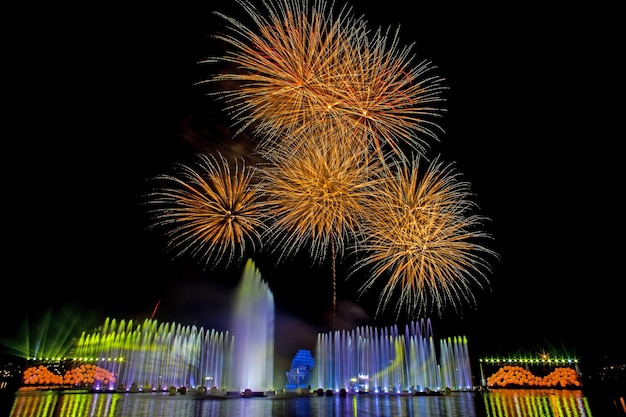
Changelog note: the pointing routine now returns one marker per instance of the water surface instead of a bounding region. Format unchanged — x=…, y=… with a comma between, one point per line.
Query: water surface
x=495, y=403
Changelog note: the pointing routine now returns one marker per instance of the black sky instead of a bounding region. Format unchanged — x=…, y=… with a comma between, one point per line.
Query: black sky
x=102, y=100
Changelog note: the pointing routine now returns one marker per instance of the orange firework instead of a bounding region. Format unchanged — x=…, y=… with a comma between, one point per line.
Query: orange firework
x=211, y=211
x=334, y=106
x=316, y=197
x=301, y=68
x=423, y=240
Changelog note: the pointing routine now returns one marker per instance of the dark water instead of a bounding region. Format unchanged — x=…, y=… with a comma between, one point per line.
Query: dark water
x=496, y=403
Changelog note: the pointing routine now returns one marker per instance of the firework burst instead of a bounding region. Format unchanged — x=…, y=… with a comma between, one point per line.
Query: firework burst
x=210, y=211
x=302, y=67
x=280, y=68
x=316, y=195
x=422, y=238
x=323, y=93
x=381, y=96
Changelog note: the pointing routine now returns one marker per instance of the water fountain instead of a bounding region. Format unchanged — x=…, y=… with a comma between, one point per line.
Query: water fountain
x=155, y=356
x=385, y=360
x=252, y=325
x=158, y=356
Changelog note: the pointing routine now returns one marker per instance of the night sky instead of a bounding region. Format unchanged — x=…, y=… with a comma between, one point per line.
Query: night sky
x=105, y=100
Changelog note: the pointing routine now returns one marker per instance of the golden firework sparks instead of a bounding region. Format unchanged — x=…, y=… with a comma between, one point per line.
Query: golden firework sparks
x=302, y=66
x=316, y=197
x=210, y=211
x=424, y=240
x=323, y=93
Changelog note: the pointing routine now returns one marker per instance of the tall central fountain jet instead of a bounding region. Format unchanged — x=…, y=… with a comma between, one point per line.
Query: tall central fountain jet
x=252, y=326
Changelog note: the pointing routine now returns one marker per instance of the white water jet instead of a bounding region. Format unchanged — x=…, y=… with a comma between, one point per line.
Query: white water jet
x=387, y=360
x=252, y=327
x=152, y=356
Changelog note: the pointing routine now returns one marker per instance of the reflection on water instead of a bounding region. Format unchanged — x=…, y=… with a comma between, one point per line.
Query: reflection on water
x=49, y=404
x=120, y=404
x=495, y=403
x=539, y=403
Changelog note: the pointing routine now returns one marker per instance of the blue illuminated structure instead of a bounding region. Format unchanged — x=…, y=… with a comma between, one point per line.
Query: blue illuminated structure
x=299, y=376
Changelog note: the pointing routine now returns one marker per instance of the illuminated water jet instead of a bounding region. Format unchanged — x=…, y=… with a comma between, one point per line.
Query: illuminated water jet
x=155, y=356
x=252, y=325
x=385, y=360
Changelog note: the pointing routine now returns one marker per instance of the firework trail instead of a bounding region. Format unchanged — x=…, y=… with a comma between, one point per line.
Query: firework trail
x=210, y=211
x=316, y=195
x=423, y=240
